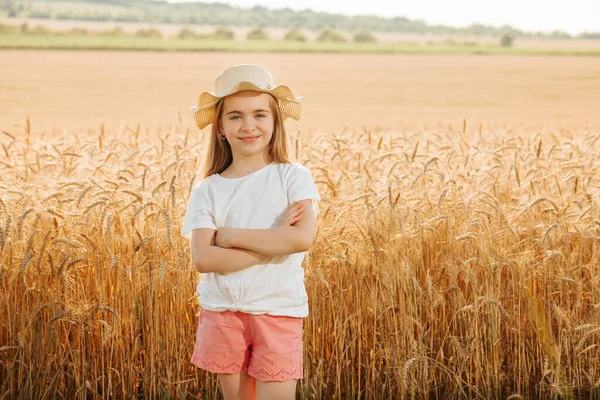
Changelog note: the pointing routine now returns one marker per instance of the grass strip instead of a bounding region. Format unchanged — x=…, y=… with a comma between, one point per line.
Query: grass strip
x=98, y=42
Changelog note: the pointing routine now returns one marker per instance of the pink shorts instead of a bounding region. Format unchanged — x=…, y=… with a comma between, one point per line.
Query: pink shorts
x=268, y=347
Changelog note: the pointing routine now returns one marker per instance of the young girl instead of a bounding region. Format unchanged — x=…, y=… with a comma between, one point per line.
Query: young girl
x=250, y=221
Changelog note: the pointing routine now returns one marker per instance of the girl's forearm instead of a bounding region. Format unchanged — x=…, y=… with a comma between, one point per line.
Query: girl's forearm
x=217, y=259
x=282, y=240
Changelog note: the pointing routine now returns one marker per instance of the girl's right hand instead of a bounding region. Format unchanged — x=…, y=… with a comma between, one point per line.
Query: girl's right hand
x=292, y=215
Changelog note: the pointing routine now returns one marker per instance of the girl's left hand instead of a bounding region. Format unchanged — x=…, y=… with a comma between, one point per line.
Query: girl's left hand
x=223, y=238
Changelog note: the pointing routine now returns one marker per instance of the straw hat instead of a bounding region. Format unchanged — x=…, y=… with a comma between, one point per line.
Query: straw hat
x=245, y=77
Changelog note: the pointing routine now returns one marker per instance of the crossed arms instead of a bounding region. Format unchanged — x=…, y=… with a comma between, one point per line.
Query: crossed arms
x=234, y=249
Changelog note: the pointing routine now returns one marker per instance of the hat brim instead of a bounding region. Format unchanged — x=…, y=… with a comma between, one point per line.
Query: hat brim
x=204, y=112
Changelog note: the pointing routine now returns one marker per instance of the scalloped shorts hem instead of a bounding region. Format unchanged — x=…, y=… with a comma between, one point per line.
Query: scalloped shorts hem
x=267, y=347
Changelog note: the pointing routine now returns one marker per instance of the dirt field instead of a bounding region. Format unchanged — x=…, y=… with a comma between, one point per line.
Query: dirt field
x=80, y=90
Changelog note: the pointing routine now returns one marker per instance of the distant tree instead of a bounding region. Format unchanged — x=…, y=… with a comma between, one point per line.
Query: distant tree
x=109, y=1
x=224, y=33
x=294, y=35
x=477, y=29
x=559, y=35
x=590, y=35
x=186, y=33
x=39, y=30
x=10, y=6
x=78, y=31
x=149, y=33
x=40, y=14
x=507, y=40
x=364, y=37
x=117, y=31
x=6, y=28
x=329, y=35
x=257, y=34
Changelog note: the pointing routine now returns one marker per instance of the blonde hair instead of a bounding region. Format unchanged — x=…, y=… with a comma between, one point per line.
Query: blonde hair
x=219, y=156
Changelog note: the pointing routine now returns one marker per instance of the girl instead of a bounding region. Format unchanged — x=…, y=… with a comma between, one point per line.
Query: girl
x=250, y=221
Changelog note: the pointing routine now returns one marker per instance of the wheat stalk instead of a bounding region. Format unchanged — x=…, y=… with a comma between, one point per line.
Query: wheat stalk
x=158, y=187
x=24, y=263
x=172, y=191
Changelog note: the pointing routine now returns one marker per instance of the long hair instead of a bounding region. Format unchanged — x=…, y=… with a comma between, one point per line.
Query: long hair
x=219, y=156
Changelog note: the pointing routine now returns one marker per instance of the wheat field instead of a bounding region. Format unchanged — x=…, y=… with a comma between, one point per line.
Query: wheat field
x=452, y=264
x=449, y=261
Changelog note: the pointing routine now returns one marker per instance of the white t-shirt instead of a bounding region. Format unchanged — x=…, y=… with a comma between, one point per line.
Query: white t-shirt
x=254, y=201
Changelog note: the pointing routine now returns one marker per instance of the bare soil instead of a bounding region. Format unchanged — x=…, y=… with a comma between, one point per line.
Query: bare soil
x=82, y=89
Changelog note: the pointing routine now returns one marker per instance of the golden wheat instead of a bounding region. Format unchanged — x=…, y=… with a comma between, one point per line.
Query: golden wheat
x=445, y=264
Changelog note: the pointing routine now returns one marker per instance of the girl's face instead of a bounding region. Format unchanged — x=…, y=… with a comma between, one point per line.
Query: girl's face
x=248, y=122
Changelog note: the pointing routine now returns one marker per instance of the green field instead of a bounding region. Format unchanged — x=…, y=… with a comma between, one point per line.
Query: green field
x=94, y=42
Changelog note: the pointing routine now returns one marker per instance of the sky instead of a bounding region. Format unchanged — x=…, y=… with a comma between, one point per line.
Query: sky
x=573, y=16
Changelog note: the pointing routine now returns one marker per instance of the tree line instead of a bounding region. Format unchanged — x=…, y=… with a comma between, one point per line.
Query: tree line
x=219, y=14
x=221, y=33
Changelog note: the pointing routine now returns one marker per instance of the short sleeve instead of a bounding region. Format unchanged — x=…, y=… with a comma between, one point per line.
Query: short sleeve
x=199, y=212
x=301, y=186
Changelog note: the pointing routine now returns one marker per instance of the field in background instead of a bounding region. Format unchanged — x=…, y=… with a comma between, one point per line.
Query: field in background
x=457, y=252
x=62, y=90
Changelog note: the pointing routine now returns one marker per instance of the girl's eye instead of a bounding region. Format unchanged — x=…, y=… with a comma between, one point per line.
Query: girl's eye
x=234, y=117
x=260, y=115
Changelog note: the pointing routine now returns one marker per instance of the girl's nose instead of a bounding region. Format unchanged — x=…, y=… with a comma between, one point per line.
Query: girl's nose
x=248, y=124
